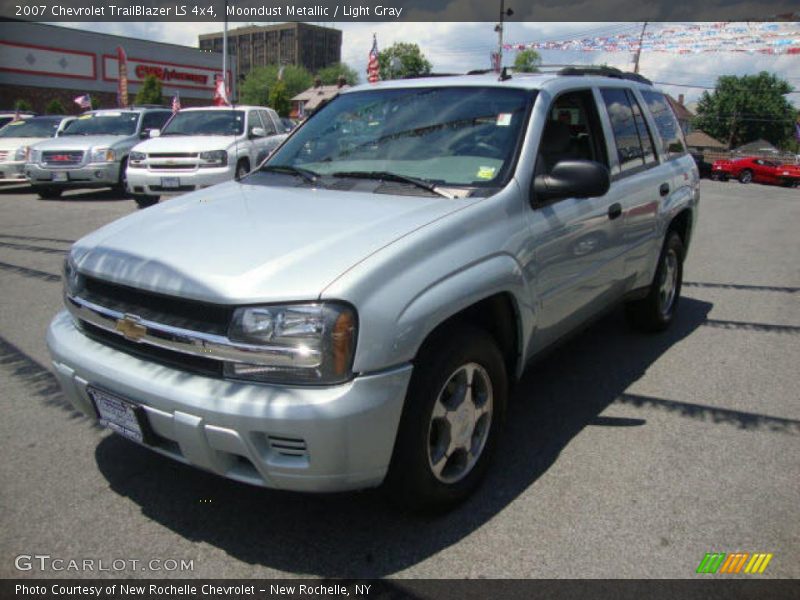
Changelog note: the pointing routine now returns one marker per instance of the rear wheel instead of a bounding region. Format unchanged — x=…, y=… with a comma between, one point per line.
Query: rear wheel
x=48, y=192
x=657, y=310
x=746, y=176
x=451, y=420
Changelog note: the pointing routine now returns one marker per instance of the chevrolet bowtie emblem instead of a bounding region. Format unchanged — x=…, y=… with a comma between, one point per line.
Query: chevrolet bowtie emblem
x=131, y=328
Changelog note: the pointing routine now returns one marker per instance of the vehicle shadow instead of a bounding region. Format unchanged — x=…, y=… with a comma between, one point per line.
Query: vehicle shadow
x=362, y=535
x=88, y=195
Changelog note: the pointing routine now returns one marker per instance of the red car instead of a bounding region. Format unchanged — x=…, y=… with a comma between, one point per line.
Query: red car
x=760, y=170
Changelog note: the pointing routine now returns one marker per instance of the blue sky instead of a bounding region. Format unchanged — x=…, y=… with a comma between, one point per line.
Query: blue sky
x=459, y=47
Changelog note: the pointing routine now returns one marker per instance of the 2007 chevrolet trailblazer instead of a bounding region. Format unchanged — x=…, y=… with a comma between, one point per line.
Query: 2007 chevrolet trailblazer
x=353, y=312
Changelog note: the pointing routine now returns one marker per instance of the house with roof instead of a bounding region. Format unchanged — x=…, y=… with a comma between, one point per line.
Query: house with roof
x=312, y=99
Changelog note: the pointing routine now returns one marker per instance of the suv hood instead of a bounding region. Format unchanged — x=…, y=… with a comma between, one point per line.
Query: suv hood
x=11, y=144
x=187, y=143
x=80, y=142
x=239, y=243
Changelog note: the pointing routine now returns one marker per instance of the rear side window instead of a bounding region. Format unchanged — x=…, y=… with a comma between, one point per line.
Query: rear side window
x=155, y=120
x=666, y=123
x=631, y=135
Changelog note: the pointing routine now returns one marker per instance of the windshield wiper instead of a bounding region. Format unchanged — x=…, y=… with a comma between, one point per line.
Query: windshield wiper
x=307, y=174
x=389, y=176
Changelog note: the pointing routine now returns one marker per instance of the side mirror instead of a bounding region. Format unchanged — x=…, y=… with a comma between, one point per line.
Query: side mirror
x=257, y=132
x=154, y=133
x=572, y=179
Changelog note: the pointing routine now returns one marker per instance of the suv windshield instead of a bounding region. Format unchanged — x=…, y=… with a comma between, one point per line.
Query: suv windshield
x=206, y=122
x=460, y=136
x=31, y=128
x=104, y=123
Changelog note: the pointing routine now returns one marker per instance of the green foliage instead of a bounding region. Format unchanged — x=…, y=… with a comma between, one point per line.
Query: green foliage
x=95, y=102
x=22, y=104
x=527, y=61
x=744, y=109
x=150, y=92
x=330, y=75
x=279, y=99
x=55, y=107
x=257, y=86
x=411, y=61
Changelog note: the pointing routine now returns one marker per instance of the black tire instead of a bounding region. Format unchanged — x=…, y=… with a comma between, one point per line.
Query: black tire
x=143, y=201
x=746, y=176
x=242, y=168
x=48, y=192
x=723, y=177
x=657, y=310
x=411, y=481
x=122, y=182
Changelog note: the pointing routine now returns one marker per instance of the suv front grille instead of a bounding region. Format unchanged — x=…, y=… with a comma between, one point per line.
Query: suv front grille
x=62, y=158
x=169, y=310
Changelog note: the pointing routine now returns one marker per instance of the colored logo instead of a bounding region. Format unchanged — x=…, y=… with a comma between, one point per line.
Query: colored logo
x=130, y=327
x=737, y=562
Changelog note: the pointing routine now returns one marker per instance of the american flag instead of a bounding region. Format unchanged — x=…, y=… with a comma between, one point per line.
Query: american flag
x=220, y=92
x=84, y=101
x=373, y=66
x=176, y=102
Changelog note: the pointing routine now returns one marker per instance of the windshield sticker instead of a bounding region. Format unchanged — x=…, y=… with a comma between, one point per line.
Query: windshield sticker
x=504, y=119
x=84, y=117
x=485, y=172
x=15, y=123
x=109, y=114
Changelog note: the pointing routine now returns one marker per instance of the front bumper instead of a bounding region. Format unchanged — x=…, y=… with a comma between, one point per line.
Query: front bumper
x=145, y=181
x=91, y=175
x=311, y=439
x=12, y=171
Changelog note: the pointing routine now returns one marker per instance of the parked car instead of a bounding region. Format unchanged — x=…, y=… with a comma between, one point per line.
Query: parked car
x=288, y=124
x=6, y=116
x=758, y=170
x=17, y=137
x=200, y=147
x=354, y=312
x=92, y=151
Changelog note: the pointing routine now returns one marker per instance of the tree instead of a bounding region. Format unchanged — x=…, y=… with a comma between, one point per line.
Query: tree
x=22, y=104
x=748, y=108
x=94, y=101
x=279, y=99
x=150, y=92
x=258, y=84
x=411, y=62
x=330, y=75
x=527, y=61
x=55, y=108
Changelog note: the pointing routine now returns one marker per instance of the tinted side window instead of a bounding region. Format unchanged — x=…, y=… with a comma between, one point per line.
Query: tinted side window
x=623, y=124
x=269, y=126
x=666, y=123
x=253, y=120
x=645, y=138
x=155, y=120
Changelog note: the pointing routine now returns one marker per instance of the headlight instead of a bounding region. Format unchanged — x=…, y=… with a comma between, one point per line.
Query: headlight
x=73, y=281
x=21, y=153
x=303, y=343
x=102, y=155
x=136, y=158
x=215, y=158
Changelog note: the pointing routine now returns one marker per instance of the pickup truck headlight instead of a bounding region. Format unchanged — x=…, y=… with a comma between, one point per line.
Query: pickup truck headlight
x=215, y=158
x=73, y=282
x=102, y=155
x=303, y=343
x=21, y=153
x=135, y=159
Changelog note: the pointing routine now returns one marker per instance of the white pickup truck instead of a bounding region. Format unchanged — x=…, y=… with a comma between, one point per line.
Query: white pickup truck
x=200, y=147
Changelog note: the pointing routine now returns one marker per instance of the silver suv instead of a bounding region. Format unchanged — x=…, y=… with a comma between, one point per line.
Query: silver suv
x=354, y=312
x=92, y=151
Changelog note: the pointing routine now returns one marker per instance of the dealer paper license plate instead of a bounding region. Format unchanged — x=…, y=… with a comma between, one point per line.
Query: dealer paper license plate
x=170, y=182
x=116, y=413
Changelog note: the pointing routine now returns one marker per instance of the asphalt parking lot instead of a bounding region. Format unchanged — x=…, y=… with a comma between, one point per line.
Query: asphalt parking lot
x=624, y=455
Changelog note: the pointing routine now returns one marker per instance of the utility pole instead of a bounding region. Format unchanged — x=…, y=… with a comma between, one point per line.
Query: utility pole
x=504, y=12
x=639, y=49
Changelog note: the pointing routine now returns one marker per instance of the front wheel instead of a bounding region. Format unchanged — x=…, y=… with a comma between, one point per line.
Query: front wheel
x=48, y=192
x=657, y=310
x=451, y=420
x=242, y=169
x=746, y=176
x=143, y=201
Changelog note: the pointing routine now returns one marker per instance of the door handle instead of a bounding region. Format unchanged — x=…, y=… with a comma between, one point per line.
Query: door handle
x=614, y=210
x=664, y=189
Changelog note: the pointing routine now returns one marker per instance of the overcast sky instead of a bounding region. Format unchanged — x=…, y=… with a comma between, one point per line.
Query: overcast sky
x=459, y=47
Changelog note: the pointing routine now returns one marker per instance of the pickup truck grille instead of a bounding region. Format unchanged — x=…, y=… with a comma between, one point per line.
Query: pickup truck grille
x=172, y=155
x=62, y=158
x=3, y=155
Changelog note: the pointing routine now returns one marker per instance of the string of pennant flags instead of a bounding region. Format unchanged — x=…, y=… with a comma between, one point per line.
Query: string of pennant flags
x=753, y=38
